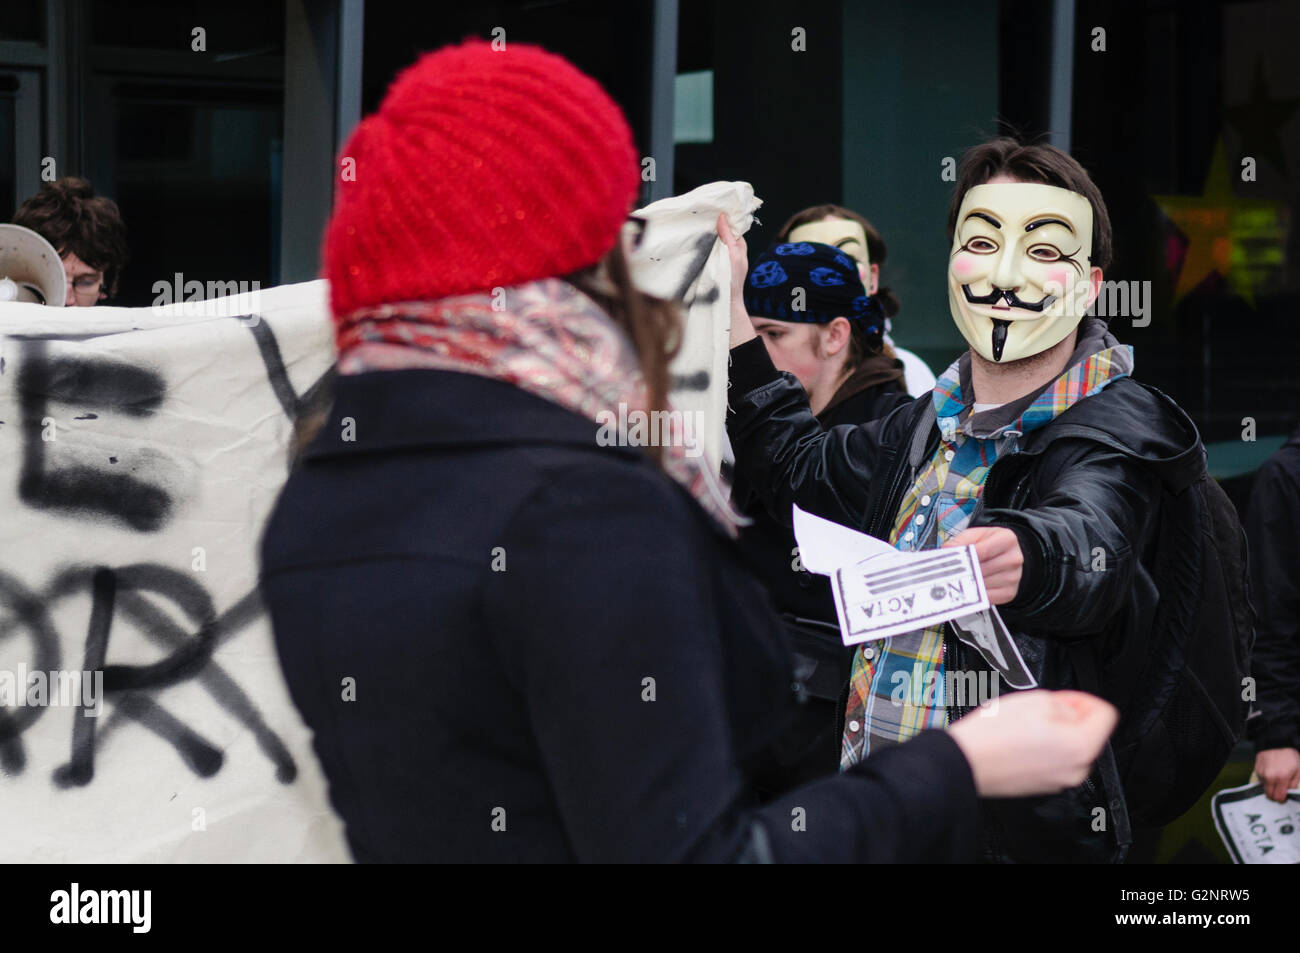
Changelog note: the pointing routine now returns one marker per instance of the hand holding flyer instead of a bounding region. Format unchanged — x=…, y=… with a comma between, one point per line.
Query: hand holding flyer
x=880, y=592
x=1257, y=830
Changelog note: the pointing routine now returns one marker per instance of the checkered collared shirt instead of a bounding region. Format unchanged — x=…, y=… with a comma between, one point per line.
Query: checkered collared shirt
x=896, y=689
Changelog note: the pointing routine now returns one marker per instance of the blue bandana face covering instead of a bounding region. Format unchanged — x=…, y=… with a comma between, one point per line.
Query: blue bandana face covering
x=811, y=283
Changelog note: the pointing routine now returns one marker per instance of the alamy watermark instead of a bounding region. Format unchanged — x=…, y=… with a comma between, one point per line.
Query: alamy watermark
x=133, y=908
x=651, y=428
x=20, y=688
x=1115, y=299
x=1124, y=299
x=967, y=689
x=218, y=299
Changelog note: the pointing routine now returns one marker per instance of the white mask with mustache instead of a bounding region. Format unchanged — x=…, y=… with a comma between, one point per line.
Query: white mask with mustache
x=1020, y=271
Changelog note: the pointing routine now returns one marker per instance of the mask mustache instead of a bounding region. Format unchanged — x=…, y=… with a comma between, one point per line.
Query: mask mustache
x=999, y=337
x=1009, y=297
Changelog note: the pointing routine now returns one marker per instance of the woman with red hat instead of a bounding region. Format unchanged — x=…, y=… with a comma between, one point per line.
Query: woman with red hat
x=512, y=640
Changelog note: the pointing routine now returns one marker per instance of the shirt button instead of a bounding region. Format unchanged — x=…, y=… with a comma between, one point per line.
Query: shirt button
x=920, y=521
x=925, y=500
x=854, y=726
x=868, y=653
x=948, y=455
x=908, y=536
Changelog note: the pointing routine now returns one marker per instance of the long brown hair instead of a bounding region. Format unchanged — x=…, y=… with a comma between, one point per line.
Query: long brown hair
x=653, y=324
x=861, y=348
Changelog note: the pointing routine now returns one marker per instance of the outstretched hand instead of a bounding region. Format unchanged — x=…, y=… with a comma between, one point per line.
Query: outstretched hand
x=1031, y=743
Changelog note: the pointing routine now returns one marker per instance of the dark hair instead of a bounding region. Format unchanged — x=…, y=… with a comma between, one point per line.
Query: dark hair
x=876, y=249
x=68, y=215
x=1033, y=162
x=653, y=324
x=861, y=347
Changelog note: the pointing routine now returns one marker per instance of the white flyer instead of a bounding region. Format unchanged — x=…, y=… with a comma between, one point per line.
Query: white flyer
x=1256, y=830
x=885, y=595
x=825, y=546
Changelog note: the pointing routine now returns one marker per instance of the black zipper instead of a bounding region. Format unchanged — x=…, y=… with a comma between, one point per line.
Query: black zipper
x=1021, y=491
x=950, y=652
x=890, y=498
x=904, y=475
x=951, y=648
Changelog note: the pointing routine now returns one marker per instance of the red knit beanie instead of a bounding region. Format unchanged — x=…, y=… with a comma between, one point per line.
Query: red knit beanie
x=482, y=168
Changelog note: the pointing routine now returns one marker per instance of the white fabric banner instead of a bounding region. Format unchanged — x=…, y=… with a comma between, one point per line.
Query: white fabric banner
x=140, y=452
x=682, y=259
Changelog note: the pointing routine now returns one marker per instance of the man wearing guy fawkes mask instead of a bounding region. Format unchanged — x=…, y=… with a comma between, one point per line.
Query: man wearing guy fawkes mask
x=1030, y=237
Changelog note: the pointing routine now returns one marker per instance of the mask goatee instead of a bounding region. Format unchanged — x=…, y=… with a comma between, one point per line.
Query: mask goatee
x=999, y=337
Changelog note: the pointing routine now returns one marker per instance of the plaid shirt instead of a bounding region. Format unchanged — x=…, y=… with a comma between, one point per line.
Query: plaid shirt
x=896, y=689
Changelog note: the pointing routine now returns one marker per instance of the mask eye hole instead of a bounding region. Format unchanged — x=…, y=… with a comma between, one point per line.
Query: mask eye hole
x=980, y=246
x=1045, y=253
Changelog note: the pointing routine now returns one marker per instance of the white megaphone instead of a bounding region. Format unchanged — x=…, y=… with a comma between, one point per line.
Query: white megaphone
x=30, y=268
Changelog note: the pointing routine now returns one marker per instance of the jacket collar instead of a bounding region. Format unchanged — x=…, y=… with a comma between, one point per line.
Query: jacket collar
x=1098, y=359
x=390, y=410
x=1129, y=417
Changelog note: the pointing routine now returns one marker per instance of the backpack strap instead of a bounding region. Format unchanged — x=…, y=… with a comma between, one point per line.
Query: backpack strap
x=917, y=428
x=1085, y=665
x=921, y=426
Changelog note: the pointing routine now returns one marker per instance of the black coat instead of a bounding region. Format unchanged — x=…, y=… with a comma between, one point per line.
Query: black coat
x=768, y=544
x=1119, y=444
x=550, y=637
x=1273, y=529
x=810, y=747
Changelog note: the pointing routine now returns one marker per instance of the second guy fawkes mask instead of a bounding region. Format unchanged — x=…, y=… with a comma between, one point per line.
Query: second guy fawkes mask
x=849, y=237
x=1019, y=276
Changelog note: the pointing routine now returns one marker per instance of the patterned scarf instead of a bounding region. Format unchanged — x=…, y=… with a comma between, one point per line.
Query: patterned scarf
x=897, y=687
x=552, y=341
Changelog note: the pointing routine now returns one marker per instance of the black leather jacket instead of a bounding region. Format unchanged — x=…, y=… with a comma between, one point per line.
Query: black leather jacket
x=1089, y=479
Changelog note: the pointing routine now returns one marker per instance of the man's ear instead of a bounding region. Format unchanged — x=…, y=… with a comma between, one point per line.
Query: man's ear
x=835, y=336
x=1094, y=287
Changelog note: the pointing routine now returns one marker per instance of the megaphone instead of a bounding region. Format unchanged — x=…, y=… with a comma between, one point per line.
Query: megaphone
x=30, y=268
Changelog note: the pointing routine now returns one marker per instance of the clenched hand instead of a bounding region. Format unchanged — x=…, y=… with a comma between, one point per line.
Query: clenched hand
x=1001, y=560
